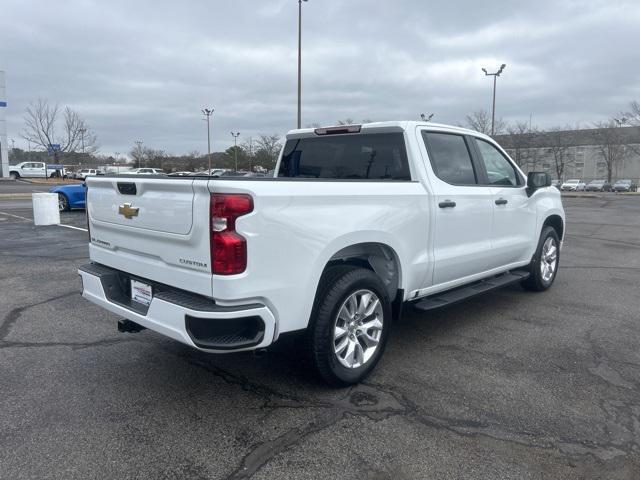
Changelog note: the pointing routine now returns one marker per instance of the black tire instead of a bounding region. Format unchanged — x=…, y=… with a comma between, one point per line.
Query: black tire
x=336, y=286
x=536, y=280
x=63, y=203
x=14, y=175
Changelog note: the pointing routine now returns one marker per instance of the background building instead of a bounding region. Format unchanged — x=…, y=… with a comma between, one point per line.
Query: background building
x=585, y=154
x=4, y=147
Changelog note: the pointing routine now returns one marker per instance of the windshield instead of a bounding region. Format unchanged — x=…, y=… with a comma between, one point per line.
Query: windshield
x=597, y=182
x=623, y=182
x=572, y=181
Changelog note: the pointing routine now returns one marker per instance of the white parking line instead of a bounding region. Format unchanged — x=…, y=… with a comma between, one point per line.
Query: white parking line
x=16, y=216
x=30, y=220
x=71, y=226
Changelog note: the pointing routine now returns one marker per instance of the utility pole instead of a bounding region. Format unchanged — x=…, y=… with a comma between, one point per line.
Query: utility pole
x=235, y=136
x=82, y=132
x=300, y=62
x=140, y=152
x=495, y=75
x=207, y=112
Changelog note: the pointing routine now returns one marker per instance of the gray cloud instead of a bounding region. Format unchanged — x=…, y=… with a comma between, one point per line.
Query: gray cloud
x=144, y=69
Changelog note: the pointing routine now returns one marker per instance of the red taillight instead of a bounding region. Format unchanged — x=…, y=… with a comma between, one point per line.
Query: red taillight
x=228, y=248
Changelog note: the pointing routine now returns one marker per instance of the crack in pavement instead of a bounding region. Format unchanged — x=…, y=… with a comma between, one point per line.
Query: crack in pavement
x=364, y=400
x=14, y=315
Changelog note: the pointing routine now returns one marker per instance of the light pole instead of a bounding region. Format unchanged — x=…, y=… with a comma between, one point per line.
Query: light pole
x=493, y=110
x=139, y=144
x=82, y=132
x=235, y=136
x=207, y=112
x=300, y=62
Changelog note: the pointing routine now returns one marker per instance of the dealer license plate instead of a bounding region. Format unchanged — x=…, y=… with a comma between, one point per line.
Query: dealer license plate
x=141, y=292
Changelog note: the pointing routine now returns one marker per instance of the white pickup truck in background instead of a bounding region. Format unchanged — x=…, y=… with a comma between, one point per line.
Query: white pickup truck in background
x=36, y=170
x=359, y=220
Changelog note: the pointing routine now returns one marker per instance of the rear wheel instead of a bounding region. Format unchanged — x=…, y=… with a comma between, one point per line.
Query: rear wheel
x=350, y=324
x=63, y=203
x=545, y=263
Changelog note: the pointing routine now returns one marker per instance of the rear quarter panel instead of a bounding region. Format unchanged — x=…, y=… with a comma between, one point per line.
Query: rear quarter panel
x=297, y=226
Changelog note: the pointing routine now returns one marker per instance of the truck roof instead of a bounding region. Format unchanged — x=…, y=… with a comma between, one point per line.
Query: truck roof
x=392, y=125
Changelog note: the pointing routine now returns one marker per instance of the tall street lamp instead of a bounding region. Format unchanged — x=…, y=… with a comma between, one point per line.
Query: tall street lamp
x=300, y=62
x=493, y=110
x=235, y=136
x=207, y=112
x=140, y=152
x=82, y=132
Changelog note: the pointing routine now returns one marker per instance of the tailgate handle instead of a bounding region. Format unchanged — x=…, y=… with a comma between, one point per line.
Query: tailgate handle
x=127, y=188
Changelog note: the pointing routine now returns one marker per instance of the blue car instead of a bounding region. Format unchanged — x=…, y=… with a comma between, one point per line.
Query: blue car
x=70, y=196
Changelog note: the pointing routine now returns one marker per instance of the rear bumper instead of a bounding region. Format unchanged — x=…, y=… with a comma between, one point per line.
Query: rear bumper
x=191, y=319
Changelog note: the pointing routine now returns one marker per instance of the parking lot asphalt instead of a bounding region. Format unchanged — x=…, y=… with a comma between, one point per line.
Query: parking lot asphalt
x=511, y=384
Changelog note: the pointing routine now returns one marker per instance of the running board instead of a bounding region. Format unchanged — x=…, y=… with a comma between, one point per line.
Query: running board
x=459, y=294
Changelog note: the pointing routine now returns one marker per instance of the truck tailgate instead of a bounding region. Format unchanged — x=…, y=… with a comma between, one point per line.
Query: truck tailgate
x=156, y=228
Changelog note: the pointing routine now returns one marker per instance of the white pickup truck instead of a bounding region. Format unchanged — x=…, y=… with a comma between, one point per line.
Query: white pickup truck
x=358, y=221
x=36, y=170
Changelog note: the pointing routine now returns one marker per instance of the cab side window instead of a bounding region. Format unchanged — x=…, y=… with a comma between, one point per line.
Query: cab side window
x=450, y=158
x=499, y=169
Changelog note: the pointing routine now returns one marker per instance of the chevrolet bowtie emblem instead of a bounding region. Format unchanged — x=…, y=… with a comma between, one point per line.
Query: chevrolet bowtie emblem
x=128, y=211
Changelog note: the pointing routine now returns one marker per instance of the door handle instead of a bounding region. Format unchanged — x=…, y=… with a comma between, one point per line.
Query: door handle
x=501, y=201
x=447, y=204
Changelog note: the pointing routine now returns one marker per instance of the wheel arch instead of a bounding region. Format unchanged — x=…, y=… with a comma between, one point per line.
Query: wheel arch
x=380, y=258
x=557, y=223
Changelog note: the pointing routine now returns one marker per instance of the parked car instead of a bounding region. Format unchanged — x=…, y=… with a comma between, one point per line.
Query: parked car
x=574, y=185
x=146, y=171
x=85, y=172
x=36, y=170
x=625, y=186
x=230, y=264
x=598, y=186
x=180, y=174
x=70, y=196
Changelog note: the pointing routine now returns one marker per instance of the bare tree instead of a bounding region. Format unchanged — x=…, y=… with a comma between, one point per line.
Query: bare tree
x=480, y=121
x=632, y=116
x=346, y=121
x=521, y=144
x=267, y=150
x=560, y=139
x=137, y=153
x=611, y=145
x=42, y=121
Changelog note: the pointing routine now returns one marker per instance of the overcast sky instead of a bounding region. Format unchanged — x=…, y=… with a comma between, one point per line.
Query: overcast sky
x=144, y=69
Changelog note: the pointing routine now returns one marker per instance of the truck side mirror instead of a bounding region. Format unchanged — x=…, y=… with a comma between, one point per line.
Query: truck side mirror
x=536, y=180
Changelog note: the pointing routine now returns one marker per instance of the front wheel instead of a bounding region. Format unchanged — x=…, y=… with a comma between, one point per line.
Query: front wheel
x=545, y=263
x=63, y=203
x=350, y=324
x=14, y=175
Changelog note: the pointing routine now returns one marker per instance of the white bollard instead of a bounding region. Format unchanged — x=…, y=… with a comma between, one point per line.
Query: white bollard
x=45, y=209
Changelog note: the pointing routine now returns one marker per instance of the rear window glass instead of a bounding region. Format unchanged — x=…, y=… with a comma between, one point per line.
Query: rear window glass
x=375, y=156
x=450, y=158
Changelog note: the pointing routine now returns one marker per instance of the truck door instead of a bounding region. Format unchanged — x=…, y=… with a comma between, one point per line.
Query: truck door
x=514, y=215
x=462, y=207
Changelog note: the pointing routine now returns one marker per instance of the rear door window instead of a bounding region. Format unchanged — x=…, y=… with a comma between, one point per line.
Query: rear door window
x=450, y=158
x=373, y=156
